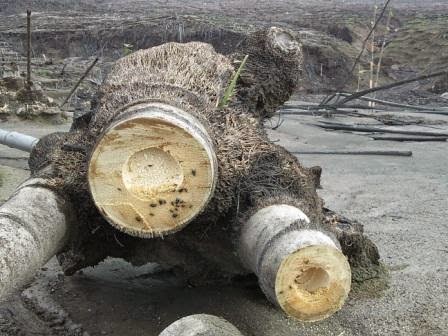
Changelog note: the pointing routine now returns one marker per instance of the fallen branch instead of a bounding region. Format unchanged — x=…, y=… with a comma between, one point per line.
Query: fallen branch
x=385, y=153
x=359, y=94
x=411, y=107
x=80, y=81
x=354, y=128
x=401, y=139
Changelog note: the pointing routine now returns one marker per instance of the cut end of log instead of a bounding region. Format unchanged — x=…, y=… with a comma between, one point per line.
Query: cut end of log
x=313, y=283
x=153, y=171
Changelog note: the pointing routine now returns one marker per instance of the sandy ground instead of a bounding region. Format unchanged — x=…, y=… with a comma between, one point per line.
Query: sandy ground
x=402, y=201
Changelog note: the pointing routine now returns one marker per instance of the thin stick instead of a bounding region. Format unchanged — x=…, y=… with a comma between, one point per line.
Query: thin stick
x=356, y=95
x=411, y=107
x=28, y=49
x=416, y=139
x=383, y=47
x=355, y=128
x=80, y=81
x=370, y=34
x=385, y=153
x=372, y=54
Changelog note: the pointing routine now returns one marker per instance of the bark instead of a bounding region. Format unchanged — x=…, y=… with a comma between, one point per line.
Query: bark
x=34, y=225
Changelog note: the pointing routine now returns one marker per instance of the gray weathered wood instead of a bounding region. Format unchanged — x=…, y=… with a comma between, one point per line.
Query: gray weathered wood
x=34, y=225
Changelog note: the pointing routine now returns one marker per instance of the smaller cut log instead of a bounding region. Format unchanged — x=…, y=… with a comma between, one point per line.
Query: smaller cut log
x=153, y=171
x=302, y=270
x=34, y=225
x=17, y=140
x=201, y=325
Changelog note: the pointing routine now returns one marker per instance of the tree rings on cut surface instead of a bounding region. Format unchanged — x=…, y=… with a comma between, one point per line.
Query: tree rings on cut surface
x=313, y=283
x=153, y=170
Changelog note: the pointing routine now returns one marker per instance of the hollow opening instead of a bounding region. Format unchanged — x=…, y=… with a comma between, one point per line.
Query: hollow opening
x=151, y=171
x=284, y=41
x=312, y=279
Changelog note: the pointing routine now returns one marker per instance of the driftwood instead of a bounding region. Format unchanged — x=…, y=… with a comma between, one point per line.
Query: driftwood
x=158, y=173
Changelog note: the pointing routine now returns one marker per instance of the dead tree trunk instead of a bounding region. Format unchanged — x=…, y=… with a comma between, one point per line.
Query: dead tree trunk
x=34, y=226
x=157, y=159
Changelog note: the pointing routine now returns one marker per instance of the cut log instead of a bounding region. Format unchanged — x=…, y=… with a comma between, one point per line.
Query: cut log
x=34, y=224
x=17, y=140
x=153, y=171
x=147, y=149
x=300, y=269
x=201, y=325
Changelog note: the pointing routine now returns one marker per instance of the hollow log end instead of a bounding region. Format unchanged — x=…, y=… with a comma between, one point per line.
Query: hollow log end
x=313, y=282
x=153, y=171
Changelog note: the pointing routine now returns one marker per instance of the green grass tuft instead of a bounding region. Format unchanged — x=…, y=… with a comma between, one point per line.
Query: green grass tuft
x=230, y=91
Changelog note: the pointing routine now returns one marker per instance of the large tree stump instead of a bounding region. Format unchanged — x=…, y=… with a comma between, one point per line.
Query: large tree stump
x=158, y=173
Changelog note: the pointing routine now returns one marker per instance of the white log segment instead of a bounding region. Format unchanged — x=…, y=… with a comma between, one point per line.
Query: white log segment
x=303, y=271
x=153, y=171
x=17, y=140
x=201, y=325
x=34, y=224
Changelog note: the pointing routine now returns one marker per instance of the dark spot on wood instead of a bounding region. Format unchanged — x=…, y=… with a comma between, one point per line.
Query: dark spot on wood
x=119, y=189
x=193, y=172
x=174, y=215
x=138, y=219
x=153, y=205
x=151, y=214
x=162, y=201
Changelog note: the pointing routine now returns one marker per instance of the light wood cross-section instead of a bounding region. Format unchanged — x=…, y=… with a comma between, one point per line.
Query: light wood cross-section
x=153, y=171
